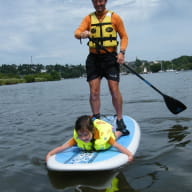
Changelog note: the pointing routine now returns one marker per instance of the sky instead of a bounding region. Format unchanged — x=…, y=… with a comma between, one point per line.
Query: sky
x=42, y=31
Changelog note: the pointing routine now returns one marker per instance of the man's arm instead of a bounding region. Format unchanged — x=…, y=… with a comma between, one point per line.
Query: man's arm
x=83, y=27
x=120, y=29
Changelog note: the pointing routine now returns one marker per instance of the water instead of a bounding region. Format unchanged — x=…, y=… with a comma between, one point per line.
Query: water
x=34, y=118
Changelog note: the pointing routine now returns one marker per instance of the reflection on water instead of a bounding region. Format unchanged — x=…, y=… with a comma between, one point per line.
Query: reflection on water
x=177, y=134
x=109, y=181
x=144, y=101
x=162, y=119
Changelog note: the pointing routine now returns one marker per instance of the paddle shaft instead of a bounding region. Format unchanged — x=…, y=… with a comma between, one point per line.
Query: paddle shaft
x=147, y=82
x=173, y=105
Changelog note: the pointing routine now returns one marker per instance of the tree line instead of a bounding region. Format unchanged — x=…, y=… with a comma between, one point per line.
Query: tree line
x=11, y=74
x=178, y=64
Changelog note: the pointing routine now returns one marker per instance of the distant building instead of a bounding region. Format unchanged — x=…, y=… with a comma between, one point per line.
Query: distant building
x=43, y=70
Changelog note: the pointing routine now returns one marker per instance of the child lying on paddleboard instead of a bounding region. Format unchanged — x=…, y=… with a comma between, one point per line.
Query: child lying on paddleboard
x=92, y=134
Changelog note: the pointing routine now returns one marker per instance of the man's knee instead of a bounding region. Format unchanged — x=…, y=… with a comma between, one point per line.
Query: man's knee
x=94, y=94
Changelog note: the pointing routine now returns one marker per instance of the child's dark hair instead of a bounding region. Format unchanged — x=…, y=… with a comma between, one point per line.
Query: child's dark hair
x=84, y=122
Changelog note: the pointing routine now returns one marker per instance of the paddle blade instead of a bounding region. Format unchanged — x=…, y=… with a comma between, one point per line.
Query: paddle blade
x=174, y=105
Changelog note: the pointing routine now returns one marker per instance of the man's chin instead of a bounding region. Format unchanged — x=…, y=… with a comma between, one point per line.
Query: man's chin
x=100, y=10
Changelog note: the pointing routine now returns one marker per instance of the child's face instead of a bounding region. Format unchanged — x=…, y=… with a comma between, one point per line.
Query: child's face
x=85, y=135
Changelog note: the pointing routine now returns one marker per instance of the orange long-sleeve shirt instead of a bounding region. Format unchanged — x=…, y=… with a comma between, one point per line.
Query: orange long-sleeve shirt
x=117, y=23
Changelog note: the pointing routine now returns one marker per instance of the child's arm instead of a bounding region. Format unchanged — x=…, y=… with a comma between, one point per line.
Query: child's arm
x=123, y=150
x=60, y=148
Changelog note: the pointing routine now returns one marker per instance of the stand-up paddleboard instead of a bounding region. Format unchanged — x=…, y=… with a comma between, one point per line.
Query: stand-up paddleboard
x=74, y=159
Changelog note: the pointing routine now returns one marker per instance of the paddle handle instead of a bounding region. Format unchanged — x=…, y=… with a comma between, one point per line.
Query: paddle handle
x=147, y=82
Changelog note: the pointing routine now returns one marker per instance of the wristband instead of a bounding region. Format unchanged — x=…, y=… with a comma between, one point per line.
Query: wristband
x=123, y=52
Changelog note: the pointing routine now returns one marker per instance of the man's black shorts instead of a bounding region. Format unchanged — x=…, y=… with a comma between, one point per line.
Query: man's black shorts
x=102, y=65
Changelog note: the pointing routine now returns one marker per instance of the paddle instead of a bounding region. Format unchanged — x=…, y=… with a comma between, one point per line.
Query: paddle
x=173, y=105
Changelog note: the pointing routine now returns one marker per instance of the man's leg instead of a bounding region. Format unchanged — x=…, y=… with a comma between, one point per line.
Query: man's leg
x=116, y=97
x=117, y=103
x=94, y=98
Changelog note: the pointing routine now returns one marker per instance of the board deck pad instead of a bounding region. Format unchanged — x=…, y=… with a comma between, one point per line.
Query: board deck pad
x=76, y=159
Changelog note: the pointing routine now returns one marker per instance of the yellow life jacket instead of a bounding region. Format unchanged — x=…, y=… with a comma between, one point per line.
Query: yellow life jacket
x=102, y=32
x=105, y=133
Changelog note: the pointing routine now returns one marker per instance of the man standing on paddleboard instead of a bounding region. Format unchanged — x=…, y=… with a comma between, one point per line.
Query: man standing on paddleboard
x=102, y=27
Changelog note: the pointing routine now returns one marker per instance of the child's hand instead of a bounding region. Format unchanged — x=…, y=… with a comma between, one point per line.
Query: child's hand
x=47, y=156
x=130, y=158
